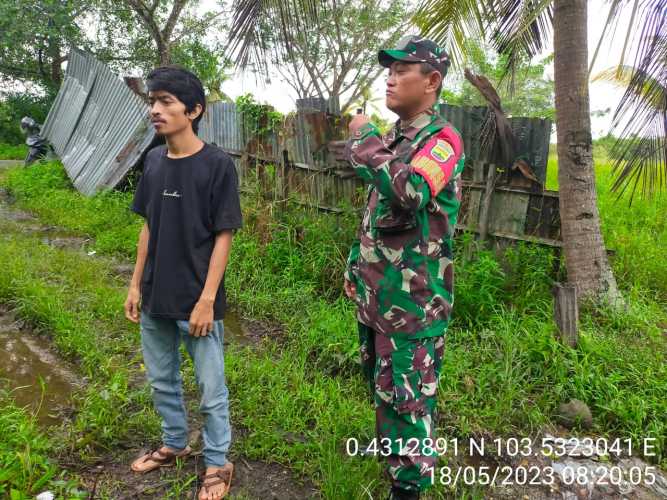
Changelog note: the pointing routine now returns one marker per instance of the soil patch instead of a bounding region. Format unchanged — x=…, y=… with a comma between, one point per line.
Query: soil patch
x=253, y=479
x=243, y=331
x=28, y=359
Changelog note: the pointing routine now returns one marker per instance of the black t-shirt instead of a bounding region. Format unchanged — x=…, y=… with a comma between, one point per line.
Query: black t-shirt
x=185, y=201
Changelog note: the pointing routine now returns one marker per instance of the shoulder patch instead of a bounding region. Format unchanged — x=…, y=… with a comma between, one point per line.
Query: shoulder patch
x=436, y=160
x=442, y=150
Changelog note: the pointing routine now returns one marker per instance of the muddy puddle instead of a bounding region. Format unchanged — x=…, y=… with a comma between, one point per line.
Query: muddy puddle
x=27, y=359
x=235, y=332
x=36, y=378
x=244, y=332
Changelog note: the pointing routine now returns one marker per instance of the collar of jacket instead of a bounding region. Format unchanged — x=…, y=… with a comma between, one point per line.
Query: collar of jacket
x=410, y=129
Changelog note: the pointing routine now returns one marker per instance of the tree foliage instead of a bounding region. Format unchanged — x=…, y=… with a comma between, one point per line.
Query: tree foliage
x=208, y=63
x=517, y=27
x=15, y=106
x=330, y=55
x=131, y=35
x=35, y=37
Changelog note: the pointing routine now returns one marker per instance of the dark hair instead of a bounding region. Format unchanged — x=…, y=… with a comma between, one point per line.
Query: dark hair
x=427, y=68
x=181, y=83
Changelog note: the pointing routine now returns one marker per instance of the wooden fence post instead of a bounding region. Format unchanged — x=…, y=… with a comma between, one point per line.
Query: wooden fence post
x=566, y=312
x=282, y=174
x=485, y=205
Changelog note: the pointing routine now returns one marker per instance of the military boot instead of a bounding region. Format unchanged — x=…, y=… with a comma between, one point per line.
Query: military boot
x=401, y=494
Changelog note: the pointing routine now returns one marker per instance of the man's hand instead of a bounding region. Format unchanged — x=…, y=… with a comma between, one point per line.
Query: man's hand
x=357, y=122
x=350, y=289
x=132, y=304
x=201, y=318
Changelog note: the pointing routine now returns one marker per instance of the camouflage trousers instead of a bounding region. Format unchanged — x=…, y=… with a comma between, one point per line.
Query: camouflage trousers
x=403, y=376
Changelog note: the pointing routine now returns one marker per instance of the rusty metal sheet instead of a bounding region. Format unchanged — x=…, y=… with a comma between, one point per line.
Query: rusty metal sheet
x=97, y=125
x=532, y=137
x=221, y=125
x=543, y=216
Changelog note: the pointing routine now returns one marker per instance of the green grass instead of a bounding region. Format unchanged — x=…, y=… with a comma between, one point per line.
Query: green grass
x=637, y=232
x=13, y=152
x=25, y=467
x=76, y=301
x=299, y=400
x=46, y=190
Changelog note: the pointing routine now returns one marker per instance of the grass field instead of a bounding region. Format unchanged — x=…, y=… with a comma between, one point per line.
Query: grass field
x=13, y=152
x=504, y=372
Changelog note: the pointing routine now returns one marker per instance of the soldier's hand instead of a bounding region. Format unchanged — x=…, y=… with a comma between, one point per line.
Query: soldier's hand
x=357, y=122
x=350, y=289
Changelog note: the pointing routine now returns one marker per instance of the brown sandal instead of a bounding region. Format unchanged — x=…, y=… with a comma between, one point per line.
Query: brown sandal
x=159, y=458
x=222, y=476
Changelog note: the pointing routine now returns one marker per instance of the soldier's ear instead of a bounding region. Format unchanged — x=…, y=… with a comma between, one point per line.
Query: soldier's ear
x=434, y=82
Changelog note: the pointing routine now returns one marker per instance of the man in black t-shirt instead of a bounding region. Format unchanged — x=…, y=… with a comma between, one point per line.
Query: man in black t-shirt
x=188, y=194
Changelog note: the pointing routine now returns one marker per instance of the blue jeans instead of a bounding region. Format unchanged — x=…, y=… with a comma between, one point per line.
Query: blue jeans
x=160, y=342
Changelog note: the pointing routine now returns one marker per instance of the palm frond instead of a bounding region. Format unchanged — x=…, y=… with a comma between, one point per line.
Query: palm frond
x=246, y=36
x=608, y=30
x=519, y=28
x=451, y=23
x=621, y=76
x=640, y=154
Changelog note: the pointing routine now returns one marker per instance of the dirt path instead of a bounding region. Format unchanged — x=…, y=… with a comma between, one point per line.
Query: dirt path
x=251, y=480
x=9, y=163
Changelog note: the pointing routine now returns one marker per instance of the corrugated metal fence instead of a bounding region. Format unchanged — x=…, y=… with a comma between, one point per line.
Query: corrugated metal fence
x=100, y=129
x=97, y=125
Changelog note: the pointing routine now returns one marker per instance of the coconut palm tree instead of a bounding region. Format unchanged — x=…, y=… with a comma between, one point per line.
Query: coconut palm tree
x=526, y=25
x=516, y=26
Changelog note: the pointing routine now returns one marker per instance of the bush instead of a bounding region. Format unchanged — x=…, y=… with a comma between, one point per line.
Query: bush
x=15, y=106
x=13, y=152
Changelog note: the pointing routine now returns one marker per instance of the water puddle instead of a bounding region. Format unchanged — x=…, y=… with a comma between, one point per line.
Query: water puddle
x=27, y=358
x=235, y=332
x=242, y=332
x=6, y=212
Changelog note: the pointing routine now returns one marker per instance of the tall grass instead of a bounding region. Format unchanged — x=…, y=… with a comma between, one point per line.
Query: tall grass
x=636, y=232
x=25, y=467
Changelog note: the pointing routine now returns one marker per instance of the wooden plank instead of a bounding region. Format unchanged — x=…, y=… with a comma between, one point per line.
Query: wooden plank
x=516, y=237
x=527, y=238
x=479, y=186
x=543, y=217
x=508, y=212
x=485, y=206
x=566, y=312
x=470, y=204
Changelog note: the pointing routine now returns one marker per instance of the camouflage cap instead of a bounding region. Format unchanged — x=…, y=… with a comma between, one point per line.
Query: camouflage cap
x=413, y=48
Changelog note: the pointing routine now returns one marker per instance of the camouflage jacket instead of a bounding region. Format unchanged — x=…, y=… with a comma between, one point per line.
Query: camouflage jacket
x=401, y=262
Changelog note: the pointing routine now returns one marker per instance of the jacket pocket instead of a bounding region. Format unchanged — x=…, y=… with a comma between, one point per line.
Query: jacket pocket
x=392, y=219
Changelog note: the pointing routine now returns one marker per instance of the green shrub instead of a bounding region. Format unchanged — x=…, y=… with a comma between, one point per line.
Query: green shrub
x=13, y=107
x=13, y=152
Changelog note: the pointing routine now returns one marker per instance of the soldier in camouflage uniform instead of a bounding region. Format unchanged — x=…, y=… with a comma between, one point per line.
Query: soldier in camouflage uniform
x=400, y=270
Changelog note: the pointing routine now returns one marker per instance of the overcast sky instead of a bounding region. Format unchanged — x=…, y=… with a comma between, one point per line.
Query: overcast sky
x=603, y=96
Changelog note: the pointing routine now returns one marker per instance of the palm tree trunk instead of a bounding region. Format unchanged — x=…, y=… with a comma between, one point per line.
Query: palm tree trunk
x=585, y=254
